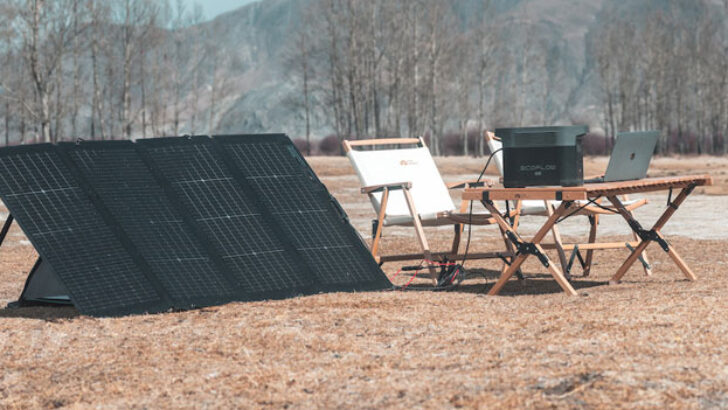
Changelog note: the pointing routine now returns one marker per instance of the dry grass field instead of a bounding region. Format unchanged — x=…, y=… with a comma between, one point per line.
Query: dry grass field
x=656, y=341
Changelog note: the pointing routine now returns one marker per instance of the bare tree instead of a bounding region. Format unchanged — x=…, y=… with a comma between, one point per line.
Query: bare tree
x=299, y=63
x=45, y=28
x=137, y=19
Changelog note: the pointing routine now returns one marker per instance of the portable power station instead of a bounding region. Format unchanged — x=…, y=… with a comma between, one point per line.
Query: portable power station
x=535, y=156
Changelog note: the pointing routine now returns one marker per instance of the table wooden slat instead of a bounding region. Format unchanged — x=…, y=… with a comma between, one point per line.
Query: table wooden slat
x=587, y=190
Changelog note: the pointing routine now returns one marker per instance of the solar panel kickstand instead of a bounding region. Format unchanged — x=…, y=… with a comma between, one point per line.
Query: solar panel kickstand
x=3, y=234
x=6, y=228
x=42, y=286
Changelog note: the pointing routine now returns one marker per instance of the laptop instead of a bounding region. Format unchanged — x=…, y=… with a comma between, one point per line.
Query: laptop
x=630, y=157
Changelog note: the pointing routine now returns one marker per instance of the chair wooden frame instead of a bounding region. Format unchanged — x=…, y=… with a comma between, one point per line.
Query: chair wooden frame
x=593, y=213
x=457, y=220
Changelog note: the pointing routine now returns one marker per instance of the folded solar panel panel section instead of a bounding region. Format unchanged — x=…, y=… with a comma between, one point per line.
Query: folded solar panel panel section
x=158, y=234
x=232, y=221
x=176, y=223
x=301, y=205
x=67, y=229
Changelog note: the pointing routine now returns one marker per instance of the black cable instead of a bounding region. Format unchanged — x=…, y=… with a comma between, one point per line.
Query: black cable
x=508, y=213
x=492, y=154
x=404, y=287
x=606, y=208
x=565, y=217
x=590, y=202
x=470, y=211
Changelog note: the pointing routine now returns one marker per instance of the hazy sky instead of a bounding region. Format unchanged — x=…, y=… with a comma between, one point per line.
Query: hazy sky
x=213, y=8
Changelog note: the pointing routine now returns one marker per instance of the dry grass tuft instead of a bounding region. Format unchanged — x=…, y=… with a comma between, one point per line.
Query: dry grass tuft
x=649, y=342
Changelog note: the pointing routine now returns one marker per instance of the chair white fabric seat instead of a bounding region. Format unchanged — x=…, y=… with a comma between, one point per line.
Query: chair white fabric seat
x=414, y=165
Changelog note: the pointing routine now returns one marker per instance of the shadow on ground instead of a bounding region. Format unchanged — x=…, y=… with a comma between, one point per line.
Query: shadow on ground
x=47, y=313
x=480, y=281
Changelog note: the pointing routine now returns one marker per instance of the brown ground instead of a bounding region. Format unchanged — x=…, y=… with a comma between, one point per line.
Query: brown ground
x=648, y=342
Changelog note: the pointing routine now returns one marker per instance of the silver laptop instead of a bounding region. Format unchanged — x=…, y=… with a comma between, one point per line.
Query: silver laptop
x=630, y=157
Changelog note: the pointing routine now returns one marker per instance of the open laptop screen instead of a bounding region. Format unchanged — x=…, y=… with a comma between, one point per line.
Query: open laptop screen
x=631, y=155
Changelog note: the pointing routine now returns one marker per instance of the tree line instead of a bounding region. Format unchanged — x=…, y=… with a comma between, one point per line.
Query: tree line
x=420, y=67
x=105, y=69
x=669, y=73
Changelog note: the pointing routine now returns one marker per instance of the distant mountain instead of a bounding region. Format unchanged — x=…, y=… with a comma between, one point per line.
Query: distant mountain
x=254, y=38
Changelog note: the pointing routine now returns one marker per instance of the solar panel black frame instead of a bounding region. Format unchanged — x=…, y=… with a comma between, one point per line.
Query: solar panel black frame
x=120, y=222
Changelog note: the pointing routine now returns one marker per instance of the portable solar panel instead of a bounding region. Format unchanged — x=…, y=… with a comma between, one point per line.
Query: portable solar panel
x=176, y=223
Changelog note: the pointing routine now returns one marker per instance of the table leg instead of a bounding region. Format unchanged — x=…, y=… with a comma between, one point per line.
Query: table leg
x=653, y=234
x=505, y=276
x=525, y=249
x=557, y=239
x=679, y=261
x=644, y=259
x=629, y=262
x=593, y=224
x=509, y=248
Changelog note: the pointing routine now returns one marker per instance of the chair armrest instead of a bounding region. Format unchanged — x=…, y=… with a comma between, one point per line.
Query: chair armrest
x=470, y=184
x=392, y=186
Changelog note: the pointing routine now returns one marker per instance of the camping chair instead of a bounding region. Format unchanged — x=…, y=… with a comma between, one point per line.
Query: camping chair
x=592, y=212
x=406, y=189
